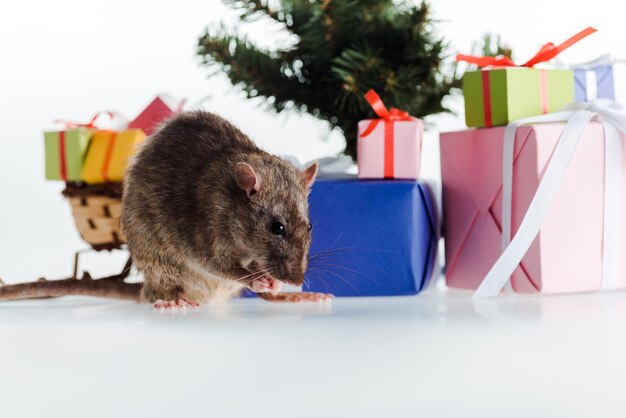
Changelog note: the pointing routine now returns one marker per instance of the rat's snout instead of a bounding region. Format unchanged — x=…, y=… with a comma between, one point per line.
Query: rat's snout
x=293, y=273
x=298, y=268
x=293, y=276
x=297, y=279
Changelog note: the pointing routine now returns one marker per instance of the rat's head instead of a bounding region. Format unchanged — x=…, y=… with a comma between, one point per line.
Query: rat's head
x=273, y=213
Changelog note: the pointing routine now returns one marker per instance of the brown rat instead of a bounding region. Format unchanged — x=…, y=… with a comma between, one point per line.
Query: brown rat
x=206, y=213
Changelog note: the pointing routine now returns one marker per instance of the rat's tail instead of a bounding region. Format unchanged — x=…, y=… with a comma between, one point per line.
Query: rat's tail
x=108, y=287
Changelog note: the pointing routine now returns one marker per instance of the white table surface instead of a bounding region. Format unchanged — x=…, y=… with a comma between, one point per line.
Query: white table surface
x=433, y=355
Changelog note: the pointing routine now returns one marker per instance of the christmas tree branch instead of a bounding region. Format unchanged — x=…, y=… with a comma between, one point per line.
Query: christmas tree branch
x=257, y=6
x=259, y=73
x=293, y=14
x=341, y=49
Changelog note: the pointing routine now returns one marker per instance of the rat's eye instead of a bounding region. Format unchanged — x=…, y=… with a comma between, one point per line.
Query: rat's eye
x=310, y=227
x=278, y=229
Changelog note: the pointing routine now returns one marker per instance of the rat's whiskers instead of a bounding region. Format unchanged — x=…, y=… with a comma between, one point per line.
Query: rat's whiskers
x=319, y=277
x=316, y=268
x=349, y=269
x=249, y=278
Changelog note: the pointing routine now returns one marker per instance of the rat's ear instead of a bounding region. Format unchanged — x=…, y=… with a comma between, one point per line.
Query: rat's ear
x=309, y=174
x=247, y=179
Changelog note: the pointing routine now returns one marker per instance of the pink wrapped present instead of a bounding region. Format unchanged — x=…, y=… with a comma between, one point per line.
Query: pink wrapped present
x=389, y=147
x=569, y=254
x=159, y=110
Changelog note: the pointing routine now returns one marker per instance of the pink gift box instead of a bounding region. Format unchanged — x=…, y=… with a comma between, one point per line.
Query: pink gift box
x=567, y=254
x=405, y=155
x=160, y=109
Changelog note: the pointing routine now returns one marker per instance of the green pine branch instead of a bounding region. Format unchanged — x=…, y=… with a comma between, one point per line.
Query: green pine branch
x=343, y=48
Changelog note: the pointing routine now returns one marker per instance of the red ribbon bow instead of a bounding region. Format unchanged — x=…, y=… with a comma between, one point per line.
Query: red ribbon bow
x=90, y=125
x=546, y=53
x=381, y=110
x=389, y=117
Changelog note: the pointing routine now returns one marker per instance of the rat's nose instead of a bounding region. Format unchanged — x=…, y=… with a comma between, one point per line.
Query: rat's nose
x=296, y=276
x=298, y=280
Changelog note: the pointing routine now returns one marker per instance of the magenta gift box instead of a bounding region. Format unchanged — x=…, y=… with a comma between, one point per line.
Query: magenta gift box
x=567, y=254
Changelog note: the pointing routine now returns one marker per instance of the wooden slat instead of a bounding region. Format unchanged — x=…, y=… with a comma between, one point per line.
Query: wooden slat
x=88, y=212
x=101, y=200
x=115, y=210
x=75, y=202
x=93, y=200
x=107, y=223
x=82, y=224
x=98, y=237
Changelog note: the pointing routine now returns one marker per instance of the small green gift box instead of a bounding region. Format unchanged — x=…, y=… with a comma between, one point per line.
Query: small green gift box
x=500, y=95
x=65, y=153
x=503, y=91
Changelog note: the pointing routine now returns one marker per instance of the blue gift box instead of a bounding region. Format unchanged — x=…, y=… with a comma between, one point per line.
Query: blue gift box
x=371, y=238
x=601, y=76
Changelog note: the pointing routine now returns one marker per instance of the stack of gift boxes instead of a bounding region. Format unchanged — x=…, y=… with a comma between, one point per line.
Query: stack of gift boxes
x=84, y=153
x=484, y=207
x=376, y=235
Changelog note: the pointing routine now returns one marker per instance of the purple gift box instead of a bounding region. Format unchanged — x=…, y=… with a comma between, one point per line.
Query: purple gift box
x=592, y=83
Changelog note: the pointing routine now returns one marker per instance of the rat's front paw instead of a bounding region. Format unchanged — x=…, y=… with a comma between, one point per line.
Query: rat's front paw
x=266, y=284
x=174, y=304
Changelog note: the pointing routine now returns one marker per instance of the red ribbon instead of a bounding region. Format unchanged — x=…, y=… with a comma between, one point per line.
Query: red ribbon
x=486, y=98
x=546, y=53
x=70, y=125
x=62, y=158
x=90, y=125
x=543, y=88
x=107, y=157
x=389, y=117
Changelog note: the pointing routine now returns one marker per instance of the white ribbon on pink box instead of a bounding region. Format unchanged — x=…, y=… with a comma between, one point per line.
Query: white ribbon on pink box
x=577, y=116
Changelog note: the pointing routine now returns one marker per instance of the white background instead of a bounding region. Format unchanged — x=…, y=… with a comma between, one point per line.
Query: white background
x=68, y=59
x=435, y=355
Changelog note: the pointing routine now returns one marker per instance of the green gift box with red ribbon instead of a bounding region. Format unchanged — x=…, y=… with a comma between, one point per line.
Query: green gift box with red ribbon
x=502, y=91
x=65, y=153
x=498, y=96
